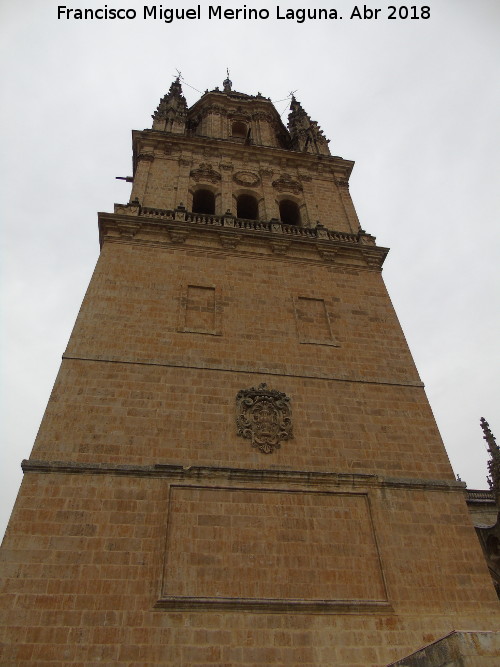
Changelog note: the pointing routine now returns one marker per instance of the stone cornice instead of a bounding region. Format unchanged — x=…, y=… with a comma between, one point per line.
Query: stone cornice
x=132, y=223
x=197, y=474
x=267, y=606
x=155, y=139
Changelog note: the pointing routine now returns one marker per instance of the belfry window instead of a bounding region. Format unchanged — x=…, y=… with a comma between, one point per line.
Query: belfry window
x=247, y=207
x=289, y=212
x=239, y=130
x=204, y=202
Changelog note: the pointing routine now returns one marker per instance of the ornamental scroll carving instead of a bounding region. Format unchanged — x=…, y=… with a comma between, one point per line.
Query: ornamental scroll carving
x=264, y=417
x=145, y=157
x=205, y=172
x=342, y=182
x=285, y=183
x=246, y=178
x=262, y=115
x=213, y=109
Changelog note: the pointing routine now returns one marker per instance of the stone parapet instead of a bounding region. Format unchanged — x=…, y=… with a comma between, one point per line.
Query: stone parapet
x=152, y=225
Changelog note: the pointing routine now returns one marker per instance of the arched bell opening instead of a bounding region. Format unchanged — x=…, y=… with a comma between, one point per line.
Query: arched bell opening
x=239, y=130
x=289, y=212
x=204, y=201
x=247, y=207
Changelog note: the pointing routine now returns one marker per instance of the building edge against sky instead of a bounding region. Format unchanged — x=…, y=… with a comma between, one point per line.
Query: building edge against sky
x=238, y=463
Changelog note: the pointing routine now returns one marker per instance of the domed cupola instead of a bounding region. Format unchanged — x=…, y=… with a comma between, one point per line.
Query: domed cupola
x=237, y=117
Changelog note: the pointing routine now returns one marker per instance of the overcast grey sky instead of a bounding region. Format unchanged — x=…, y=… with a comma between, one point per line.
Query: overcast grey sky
x=414, y=102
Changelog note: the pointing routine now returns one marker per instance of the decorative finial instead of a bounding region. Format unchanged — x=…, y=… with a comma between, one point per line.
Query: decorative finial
x=306, y=135
x=488, y=435
x=170, y=116
x=494, y=462
x=227, y=83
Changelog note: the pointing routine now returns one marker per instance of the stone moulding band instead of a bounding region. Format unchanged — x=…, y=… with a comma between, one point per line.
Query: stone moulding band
x=331, y=378
x=132, y=220
x=149, y=215
x=180, y=603
x=271, y=226
x=197, y=473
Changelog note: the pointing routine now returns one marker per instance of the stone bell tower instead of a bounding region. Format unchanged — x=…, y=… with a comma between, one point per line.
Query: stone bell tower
x=238, y=464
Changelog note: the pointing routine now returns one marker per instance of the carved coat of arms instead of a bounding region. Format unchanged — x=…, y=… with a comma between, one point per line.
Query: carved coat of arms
x=264, y=417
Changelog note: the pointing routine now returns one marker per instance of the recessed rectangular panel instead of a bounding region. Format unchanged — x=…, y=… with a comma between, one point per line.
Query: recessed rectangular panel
x=313, y=324
x=200, y=314
x=271, y=545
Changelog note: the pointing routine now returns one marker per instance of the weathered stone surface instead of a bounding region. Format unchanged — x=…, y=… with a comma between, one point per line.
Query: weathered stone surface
x=146, y=530
x=457, y=649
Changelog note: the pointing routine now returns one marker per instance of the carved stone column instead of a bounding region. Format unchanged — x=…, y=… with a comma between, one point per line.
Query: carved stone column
x=270, y=205
x=183, y=183
x=306, y=217
x=226, y=170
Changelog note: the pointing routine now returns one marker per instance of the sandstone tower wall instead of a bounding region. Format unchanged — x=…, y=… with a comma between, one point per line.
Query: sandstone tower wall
x=238, y=464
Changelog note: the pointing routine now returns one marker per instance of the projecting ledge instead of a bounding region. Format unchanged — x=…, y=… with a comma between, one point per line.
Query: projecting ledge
x=181, y=603
x=159, y=226
x=197, y=473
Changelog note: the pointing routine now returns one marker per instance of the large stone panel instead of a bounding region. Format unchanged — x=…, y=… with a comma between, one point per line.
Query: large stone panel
x=225, y=544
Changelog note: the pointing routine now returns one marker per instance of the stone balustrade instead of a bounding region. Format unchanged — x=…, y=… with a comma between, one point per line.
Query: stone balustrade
x=271, y=226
